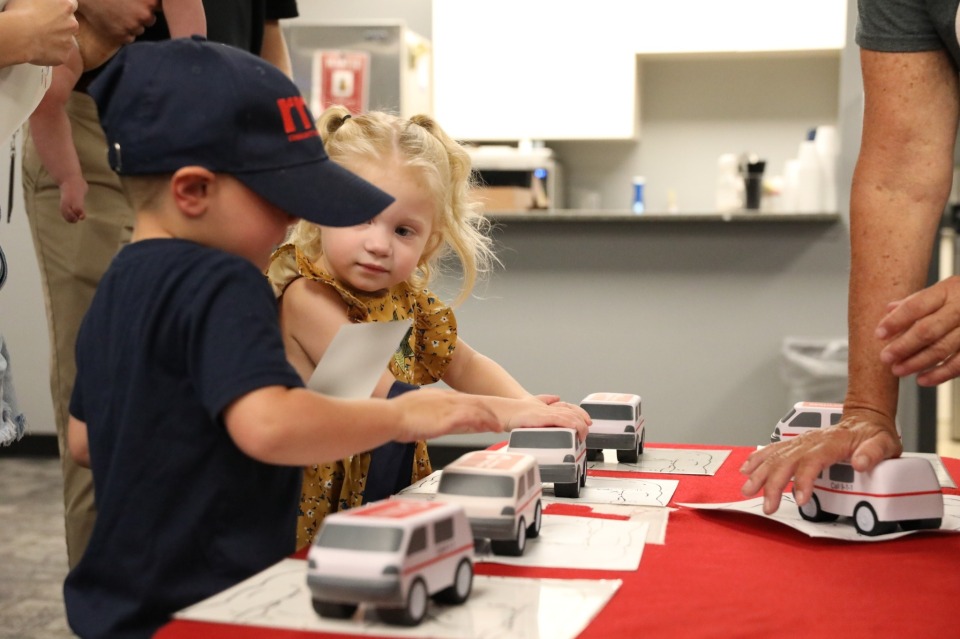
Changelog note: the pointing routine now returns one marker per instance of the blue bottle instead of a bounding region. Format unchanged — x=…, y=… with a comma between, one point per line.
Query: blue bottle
x=638, y=186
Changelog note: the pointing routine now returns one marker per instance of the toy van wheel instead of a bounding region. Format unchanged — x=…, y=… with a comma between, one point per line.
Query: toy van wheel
x=811, y=511
x=511, y=547
x=866, y=522
x=567, y=489
x=630, y=455
x=922, y=524
x=583, y=477
x=643, y=437
x=334, y=609
x=533, y=530
x=459, y=591
x=415, y=610
x=595, y=454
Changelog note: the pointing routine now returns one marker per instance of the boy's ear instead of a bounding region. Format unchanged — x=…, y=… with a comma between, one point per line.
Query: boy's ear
x=191, y=186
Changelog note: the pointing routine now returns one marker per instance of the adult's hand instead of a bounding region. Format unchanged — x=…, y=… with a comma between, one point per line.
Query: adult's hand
x=119, y=20
x=864, y=437
x=45, y=31
x=922, y=334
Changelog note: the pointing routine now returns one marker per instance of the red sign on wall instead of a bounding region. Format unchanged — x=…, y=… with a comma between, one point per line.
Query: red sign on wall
x=340, y=77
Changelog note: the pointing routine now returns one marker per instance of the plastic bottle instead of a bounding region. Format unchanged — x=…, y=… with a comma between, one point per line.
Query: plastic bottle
x=827, y=151
x=639, y=184
x=729, y=195
x=809, y=177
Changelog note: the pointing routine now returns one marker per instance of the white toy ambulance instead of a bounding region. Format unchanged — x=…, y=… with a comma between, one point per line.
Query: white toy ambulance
x=805, y=416
x=617, y=423
x=394, y=554
x=902, y=491
x=560, y=454
x=500, y=493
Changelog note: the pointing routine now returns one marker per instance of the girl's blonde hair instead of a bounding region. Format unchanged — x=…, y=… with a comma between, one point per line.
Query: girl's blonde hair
x=420, y=144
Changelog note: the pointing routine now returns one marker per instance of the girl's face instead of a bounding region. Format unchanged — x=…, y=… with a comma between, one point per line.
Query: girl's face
x=379, y=254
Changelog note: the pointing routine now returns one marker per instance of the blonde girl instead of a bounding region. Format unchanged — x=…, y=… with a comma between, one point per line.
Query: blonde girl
x=379, y=271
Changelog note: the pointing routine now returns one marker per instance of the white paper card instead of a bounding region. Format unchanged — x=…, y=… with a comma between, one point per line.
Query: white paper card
x=498, y=607
x=667, y=461
x=843, y=528
x=357, y=358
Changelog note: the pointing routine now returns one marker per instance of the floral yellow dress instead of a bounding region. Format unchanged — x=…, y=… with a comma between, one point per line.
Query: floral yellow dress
x=421, y=359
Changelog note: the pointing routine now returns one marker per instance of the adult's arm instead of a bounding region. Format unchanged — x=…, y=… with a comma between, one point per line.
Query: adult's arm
x=900, y=187
x=274, y=48
x=119, y=20
x=37, y=32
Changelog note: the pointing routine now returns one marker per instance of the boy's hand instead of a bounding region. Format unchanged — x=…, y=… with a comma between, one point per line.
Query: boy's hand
x=431, y=412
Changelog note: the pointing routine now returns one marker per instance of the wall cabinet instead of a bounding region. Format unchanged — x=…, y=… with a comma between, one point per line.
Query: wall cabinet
x=567, y=70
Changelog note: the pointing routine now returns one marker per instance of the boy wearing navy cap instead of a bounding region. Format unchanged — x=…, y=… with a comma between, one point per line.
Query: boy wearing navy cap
x=185, y=407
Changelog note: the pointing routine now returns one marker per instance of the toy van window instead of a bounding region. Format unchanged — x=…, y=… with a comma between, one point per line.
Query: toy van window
x=835, y=418
x=443, y=530
x=786, y=418
x=540, y=438
x=842, y=473
x=806, y=420
x=474, y=485
x=623, y=412
x=522, y=486
x=368, y=538
x=530, y=479
x=418, y=541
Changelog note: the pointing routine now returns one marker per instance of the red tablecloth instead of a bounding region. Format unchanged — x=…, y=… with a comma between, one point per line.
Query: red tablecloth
x=723, y=574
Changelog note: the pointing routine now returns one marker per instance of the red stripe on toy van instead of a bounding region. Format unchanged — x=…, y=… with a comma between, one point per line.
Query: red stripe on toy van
x=859, y=494
x=523, y=506
x=455, y=551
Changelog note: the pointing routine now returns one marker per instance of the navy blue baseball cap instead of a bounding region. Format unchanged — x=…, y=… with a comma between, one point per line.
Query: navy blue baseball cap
x=190, y=102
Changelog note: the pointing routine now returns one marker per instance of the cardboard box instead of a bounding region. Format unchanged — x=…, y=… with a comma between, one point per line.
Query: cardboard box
x=505, y=199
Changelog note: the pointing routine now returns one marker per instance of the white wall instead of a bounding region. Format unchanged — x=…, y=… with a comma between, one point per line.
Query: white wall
x=23, y=322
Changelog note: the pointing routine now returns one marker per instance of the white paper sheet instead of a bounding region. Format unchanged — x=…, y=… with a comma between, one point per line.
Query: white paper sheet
x=619, y=500
x=843, y=528
x=598, y=490
x=498, y=607
x=946, y=481
x=616, y=490
x=589, y=543
x=357, y=358
x=668, y=461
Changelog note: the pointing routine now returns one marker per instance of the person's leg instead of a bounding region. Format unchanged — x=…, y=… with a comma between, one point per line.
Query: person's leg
x=72, y=258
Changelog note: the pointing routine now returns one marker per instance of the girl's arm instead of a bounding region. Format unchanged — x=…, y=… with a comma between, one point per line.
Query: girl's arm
x=475, y=373
x=311, y=313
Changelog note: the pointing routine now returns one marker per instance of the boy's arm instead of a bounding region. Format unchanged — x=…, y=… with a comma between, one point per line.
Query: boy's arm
x=50, y=129
x=298, y=427
x=77, y=441
x=185, y=18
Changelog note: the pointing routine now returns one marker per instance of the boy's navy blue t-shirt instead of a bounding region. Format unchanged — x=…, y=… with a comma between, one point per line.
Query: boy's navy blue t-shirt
x=175, y=333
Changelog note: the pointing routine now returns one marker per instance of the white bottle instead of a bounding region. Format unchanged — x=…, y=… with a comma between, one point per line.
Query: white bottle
x=809, y=178
x=729, y=195
x=827, y=152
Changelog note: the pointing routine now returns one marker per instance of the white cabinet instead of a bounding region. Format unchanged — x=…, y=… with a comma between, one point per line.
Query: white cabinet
x=540, y=70
x=567, y=69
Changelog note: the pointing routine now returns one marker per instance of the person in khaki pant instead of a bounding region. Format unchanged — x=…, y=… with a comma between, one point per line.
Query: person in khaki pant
x=73, y=257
